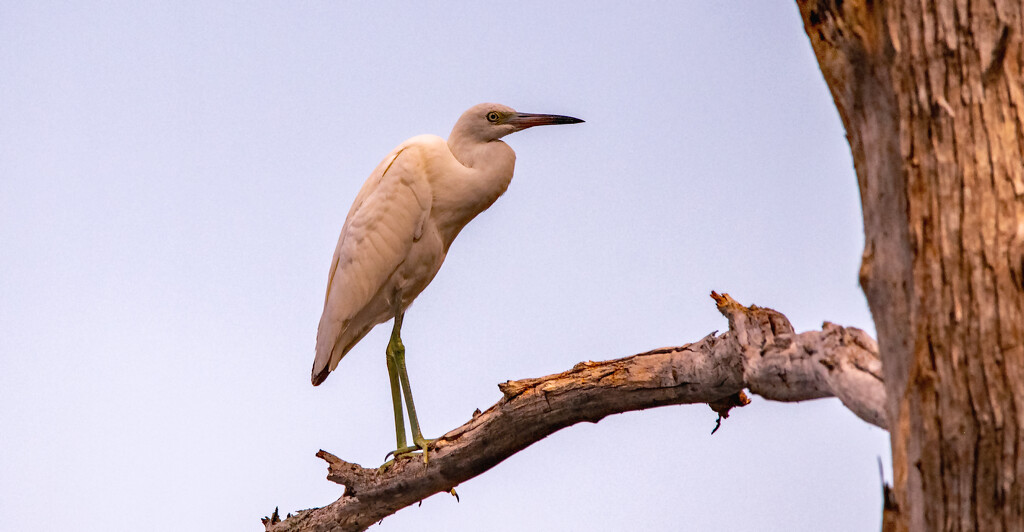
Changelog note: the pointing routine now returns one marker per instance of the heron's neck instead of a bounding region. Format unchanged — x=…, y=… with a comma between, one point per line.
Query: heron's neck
x=491, y=161
x=474, y=154
x=489, y=167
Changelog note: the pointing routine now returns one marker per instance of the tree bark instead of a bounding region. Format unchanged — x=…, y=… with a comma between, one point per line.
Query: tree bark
x=931, y=96
x=760, y=352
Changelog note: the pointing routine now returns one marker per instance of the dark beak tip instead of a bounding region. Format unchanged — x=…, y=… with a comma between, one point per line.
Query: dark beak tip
x=567, y=120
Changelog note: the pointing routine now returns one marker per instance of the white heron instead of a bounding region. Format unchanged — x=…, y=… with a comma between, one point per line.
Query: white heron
x=398, y=231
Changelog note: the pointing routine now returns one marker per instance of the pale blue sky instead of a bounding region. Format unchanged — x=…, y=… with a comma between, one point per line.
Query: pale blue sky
x=173, y=177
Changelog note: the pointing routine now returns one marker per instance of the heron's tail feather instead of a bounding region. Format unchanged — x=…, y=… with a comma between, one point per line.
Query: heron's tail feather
x=326, y=343
x=320, y=376
x=332, y=345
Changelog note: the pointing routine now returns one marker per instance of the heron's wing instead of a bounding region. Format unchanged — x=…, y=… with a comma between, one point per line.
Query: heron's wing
x=387, y=216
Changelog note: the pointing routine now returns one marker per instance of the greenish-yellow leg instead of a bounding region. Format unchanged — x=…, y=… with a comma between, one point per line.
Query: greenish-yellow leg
x=396, y=364
x=396, y=393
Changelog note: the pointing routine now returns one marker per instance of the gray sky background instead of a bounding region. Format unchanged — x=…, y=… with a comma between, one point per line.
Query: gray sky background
x=173, y=178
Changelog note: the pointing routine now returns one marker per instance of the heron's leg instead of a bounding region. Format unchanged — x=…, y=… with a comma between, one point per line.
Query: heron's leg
x=396, y=391
x=399, y=350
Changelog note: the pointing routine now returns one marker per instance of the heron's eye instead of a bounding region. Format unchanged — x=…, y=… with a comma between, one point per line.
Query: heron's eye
x=493, y=117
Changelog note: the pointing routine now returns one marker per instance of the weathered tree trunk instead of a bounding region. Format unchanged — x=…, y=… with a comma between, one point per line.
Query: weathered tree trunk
x=932, y=100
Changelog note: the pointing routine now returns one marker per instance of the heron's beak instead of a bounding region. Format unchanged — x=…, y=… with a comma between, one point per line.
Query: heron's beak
x=524, y=120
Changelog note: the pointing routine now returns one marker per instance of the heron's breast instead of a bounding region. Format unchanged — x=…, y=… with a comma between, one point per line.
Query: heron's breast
x=422, y=263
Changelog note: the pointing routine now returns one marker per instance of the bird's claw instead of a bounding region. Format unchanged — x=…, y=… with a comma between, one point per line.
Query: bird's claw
x=399, y=452
x=420, y=444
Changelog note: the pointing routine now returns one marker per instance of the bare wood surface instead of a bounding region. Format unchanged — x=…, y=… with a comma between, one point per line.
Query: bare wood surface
x=760, y=352
x=932, y=98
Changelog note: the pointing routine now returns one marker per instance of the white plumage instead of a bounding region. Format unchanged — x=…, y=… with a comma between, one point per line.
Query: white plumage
x=402, y=222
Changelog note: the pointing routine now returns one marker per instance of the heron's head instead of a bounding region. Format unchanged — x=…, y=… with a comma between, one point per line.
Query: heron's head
x=491, y=121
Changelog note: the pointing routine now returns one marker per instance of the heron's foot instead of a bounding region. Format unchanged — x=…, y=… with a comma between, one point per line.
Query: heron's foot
x=419, y=444
x=385, y=466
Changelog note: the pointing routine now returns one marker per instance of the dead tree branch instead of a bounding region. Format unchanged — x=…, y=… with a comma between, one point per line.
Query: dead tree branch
x=760, y=352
